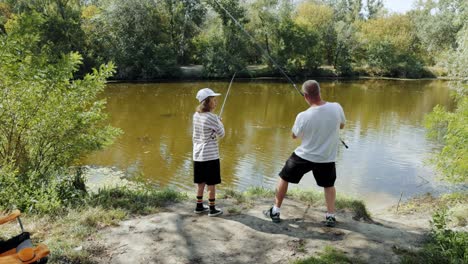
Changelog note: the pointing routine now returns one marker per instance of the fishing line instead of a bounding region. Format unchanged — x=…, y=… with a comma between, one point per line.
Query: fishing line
x=258, y=46
x=263, y=52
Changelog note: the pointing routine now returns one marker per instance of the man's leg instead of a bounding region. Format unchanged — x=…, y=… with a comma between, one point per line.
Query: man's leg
x=274, y=211
x=330, y=196
x=292, y=171
x=281, y=191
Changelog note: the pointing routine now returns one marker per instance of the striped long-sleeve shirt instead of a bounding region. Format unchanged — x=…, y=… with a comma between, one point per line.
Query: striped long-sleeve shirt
x=206, y=129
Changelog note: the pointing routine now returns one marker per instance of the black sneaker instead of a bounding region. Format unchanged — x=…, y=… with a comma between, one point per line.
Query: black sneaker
x=201, y=209
x=215, y=212
x=330, y=221
x=274, y=217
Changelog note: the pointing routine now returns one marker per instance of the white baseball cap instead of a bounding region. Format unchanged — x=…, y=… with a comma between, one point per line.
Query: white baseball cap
x=205, y=93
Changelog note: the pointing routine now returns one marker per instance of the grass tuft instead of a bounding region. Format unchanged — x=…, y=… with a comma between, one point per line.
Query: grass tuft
x=246, y=197
x=345, y=203
x=234, y=210
x=356, y=206
x=259, y=192
x=99, y=218
x=310, y=197
x=144, y=200
x=428, y=203
x=233, y=194
x=329, y=256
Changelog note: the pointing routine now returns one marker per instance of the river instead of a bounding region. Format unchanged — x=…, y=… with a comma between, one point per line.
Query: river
x=386, y=159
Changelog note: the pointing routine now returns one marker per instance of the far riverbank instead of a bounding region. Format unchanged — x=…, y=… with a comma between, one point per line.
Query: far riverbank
x=262, y=72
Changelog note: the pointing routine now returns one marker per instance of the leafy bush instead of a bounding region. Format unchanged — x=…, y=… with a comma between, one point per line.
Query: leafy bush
x=448, y=245
x=444, y=245
x=449, y=128
x=452, y=244
x=47, y=120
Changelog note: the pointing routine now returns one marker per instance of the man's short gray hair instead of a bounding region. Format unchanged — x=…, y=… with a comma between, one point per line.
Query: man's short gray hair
x=311, y=87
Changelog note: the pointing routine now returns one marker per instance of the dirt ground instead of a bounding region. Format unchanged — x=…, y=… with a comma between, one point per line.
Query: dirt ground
x=177, y=235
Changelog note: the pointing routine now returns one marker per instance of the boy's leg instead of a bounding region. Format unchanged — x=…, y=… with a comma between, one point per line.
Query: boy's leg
x=201, y=189
x=200, y=208
x=211, y=192
x=212, y=199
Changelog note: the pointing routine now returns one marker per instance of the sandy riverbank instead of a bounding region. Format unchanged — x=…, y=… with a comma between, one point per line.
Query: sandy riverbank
x=244, y=235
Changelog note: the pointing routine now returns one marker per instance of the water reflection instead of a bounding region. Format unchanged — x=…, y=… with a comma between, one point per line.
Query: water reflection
x=384, y=131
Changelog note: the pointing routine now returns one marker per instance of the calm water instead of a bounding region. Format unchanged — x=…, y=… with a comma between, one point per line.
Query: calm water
x=384, y=131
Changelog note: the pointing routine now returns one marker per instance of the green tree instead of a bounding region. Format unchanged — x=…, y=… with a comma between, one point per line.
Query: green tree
x=346, y=44
x=136, y=36
x=185, y=19
x=388, y=46
x=299, y=49
x=437, y=24
x=319, y=18
x=5, y=14
x=47, y=119
x=226, y=51
x=263, y=20
x=346, y=10
x=450, y=128
x=61, y=27
x=95, y=41
x=373, y=8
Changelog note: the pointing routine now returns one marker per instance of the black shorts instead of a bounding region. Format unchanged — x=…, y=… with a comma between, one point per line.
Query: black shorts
x=208, y=172
x=296, y=167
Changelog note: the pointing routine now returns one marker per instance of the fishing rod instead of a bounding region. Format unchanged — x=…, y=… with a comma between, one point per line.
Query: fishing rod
x=225, y=98
x=344, y=144
x=222, y=107
x=263, y=52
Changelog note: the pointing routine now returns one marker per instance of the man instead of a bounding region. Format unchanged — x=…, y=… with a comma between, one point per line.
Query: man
x=318, y=127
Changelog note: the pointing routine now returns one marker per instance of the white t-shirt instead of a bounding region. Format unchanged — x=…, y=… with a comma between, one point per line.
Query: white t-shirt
x=206, y=128
x=319, y=127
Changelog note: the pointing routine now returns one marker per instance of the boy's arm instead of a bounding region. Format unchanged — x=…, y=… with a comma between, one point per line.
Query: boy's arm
x=220, y=130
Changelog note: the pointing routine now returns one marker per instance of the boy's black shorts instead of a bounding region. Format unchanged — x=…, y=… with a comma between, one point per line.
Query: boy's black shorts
x=296, y=167
x=208, y=172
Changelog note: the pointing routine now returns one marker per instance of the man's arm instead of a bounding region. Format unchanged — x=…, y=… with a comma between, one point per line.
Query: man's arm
x=342, y=117
x=297, y=127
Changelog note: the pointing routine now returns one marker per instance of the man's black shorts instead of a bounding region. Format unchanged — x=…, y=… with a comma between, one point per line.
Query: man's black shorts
x=208, y=172
x=296, y=167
